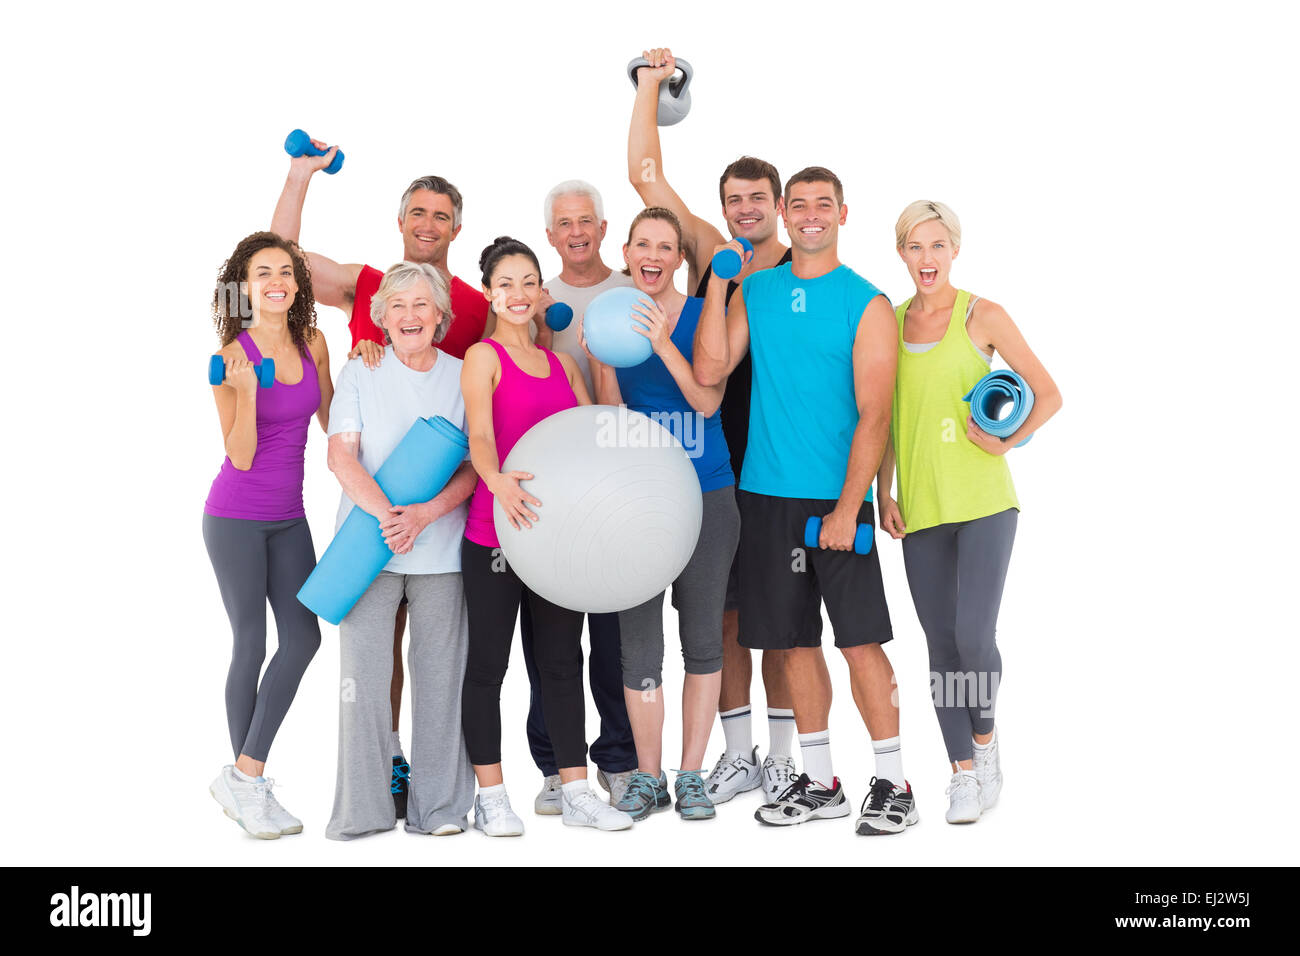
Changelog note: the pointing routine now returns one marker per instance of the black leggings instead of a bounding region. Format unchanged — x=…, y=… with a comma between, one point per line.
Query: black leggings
x=492, y=595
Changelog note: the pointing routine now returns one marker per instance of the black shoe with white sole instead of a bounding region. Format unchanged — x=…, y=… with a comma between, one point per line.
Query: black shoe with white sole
x=887, y=809
x=805, y=800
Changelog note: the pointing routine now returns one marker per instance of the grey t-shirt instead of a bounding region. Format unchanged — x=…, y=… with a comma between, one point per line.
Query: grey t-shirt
x=578, y=299
x=382, y=404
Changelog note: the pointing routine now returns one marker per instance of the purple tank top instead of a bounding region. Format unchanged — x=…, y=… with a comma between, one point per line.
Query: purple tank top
x=271, y=490
x=519, y=402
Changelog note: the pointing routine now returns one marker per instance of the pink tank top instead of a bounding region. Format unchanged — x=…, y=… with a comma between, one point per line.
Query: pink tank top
x=519, y=402
x=271, y=490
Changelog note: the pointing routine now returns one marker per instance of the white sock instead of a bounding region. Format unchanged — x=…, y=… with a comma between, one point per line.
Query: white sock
x=983, y=747
x=396, y=745
x=816, y=751
x=493, y=790
x=738, y=729
x=780, y=731
x=889, y=761
x=575, y=787
x=239, y=774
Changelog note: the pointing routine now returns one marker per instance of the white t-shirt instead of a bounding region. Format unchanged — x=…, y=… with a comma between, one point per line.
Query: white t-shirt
x=578, y=299
x=382, y=404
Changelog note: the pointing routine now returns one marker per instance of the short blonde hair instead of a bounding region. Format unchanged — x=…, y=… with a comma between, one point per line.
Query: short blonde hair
x=923, y=210
x=401, y=277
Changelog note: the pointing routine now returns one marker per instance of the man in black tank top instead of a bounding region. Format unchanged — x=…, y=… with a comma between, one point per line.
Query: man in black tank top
x=750, y=191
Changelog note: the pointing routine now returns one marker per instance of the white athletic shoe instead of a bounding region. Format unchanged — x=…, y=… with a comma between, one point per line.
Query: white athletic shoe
x=989, y=771
x=278, y=815
x=732, y=775
x=245, y=803
x=494, y=817
x=586, y=809
x=447, y=829
x=778, y=774
x=614, y=783
x=547, y=801
x=963, y=798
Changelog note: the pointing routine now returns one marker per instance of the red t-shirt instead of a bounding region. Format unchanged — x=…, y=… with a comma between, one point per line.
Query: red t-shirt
x=468, y=310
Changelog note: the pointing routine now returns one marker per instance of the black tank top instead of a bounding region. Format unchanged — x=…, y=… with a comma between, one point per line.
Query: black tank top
x=735, y=400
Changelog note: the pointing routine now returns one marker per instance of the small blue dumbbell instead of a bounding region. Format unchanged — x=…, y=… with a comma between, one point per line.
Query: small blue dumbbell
x=727, y=262
x=558, y=316
x=265, y=370
x=812, y=533
x=298, y=143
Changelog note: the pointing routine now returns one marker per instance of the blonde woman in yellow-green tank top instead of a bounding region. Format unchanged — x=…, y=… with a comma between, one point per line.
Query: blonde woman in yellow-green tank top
x=956, y=509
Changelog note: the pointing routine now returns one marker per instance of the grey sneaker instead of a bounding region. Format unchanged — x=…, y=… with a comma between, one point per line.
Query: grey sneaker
x=615, y=783
x=644, y=795
x=547, y=802
x=692, y=802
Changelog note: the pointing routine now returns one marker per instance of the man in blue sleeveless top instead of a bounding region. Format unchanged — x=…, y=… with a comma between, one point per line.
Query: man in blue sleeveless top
x=824, y=346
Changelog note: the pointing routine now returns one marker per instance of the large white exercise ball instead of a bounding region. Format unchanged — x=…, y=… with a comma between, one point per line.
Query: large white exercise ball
x=609, y=325
x=620, y=509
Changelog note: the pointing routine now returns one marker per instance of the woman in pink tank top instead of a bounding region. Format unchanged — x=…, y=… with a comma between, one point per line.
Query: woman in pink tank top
x=509, y=385
x=254, y=526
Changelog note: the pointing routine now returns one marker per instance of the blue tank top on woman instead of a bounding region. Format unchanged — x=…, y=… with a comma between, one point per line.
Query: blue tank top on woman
x=649, y=388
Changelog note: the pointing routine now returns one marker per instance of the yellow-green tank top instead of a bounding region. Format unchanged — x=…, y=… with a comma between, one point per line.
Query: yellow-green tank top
x=942, y=476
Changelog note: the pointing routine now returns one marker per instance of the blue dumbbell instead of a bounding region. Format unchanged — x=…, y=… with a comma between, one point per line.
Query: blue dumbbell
x=558, y=316
x=812, y=533
x=264, y=369
x=298, y=143
x=727, y=262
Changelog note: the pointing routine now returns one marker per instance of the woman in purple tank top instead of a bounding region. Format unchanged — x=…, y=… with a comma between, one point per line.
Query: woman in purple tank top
x=509, y=385
x=254, y=525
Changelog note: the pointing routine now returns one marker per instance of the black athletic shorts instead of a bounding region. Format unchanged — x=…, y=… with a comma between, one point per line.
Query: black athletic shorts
x=783, y=583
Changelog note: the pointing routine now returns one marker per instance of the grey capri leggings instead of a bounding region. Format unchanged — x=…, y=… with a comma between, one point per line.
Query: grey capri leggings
x=956, y=573
x=256, y=562
x=699, y=594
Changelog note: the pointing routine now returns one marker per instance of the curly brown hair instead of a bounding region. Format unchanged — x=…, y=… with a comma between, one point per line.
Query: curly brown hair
x=230, y=305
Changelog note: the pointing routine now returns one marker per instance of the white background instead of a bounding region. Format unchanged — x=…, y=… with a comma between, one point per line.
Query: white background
x=1125, y=178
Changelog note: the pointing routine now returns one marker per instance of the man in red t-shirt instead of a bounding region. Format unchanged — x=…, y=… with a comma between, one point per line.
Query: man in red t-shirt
x=429, y=219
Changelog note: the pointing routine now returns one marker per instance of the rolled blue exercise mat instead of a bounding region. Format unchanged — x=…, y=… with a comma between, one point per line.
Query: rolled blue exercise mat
x=992, y=394
x=416, y=470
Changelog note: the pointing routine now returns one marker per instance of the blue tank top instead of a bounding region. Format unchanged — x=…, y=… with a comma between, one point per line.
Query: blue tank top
x=649, y=388
x=803, y=410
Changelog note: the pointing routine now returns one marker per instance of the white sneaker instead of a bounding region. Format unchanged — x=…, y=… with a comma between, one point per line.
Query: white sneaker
x=547, y=801
x=614, y=783
x=492, y=815
x=586, y=809
x=778, y=774
x=245, y=803
x=447, y=829
x=963, y=798
x=988, y=769
x=732, y=775
x=278, y=815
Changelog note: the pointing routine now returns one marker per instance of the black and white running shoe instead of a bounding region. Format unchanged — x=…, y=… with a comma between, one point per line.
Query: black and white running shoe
x=805, y=800
x=887, y=809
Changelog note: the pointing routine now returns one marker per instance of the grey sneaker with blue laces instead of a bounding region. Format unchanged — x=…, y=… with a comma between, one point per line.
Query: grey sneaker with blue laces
x=692, y=802
x=644, y=795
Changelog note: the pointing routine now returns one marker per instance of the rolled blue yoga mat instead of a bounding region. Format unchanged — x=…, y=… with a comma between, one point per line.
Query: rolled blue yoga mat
x=416, y=470
x=992, y=394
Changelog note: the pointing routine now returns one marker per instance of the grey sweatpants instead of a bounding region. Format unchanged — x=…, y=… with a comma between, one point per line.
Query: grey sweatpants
x=442, y=781
x=956, y=573
x=257, y=562
x=699, y=594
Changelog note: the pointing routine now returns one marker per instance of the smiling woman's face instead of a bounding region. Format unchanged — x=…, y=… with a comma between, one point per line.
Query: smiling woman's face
x=411, y=318
x=271, y=286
